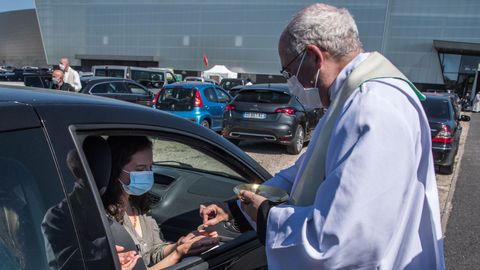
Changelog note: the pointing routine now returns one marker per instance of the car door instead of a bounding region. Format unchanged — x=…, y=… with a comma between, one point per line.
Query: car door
x=38, y=229
x=214, y=108
x=189, y=170
x=139, y=94
x=223, y=99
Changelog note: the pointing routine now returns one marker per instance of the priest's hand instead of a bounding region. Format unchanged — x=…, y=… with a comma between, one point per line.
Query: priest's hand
x=250, y=203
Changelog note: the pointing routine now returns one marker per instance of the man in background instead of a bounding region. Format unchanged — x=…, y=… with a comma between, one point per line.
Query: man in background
x=71, y=76
x=59, y=83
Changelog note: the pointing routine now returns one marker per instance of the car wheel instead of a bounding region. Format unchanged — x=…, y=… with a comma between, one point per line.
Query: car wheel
x=205, y=123
x=297, y=142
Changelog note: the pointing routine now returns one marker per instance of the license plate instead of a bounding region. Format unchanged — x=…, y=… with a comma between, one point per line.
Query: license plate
x=254, y=115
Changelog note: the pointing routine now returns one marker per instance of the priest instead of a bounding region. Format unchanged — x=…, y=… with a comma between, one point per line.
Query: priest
x=364, y=194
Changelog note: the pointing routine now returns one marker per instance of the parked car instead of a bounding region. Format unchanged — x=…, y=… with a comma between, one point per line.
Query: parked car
x=38, y=80
x=200, y=79
x=228, y=83
x=444, y=119
x=152, y=78
x=117, y=88
x=203, y=103
x=268, y=112
x=234, y=90
x=56, y=163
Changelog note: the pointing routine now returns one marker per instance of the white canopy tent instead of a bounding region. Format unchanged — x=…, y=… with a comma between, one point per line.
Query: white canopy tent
x=219, y=72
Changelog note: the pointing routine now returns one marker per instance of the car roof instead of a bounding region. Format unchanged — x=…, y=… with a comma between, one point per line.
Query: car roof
x=438, y=95
x=87, y=79
x=101, y=111
x=189, y=84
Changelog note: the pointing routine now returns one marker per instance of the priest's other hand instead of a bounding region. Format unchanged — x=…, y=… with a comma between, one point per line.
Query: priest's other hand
x=213, y=214
x=250, y=203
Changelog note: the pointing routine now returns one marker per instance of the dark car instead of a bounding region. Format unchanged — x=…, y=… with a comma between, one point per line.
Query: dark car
x=202, y=103
x=228, y=84
x=443, y=117
x=234, y=90
x=268, y=112
x=55, y=165
x=117, y=88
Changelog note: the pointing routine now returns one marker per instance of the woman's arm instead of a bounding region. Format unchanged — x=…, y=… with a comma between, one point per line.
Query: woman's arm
x=191, y=245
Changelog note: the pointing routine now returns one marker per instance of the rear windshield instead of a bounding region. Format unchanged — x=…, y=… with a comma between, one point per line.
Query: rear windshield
x=117, y=73
x=176, y=99
x=227, y=85
x=263, y=96
x=437, y=108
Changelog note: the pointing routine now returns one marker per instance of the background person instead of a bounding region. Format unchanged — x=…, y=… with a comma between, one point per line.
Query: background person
x=476, y=103
x=127, y=203
x=58, y=82
x=71, y=75
x=364, y=194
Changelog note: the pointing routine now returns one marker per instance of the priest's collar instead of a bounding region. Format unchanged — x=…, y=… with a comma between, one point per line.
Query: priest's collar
x=342, y=76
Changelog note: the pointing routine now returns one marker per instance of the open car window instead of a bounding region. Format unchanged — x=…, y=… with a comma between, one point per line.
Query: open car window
x=180, y=155
x=189, y=171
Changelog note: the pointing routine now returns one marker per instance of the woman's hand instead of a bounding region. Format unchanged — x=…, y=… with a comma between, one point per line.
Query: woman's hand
x=211, y=234
x=192, y=244
x=128, y=259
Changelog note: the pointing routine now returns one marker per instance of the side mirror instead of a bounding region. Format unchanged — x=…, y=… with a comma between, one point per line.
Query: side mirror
x=465, y=118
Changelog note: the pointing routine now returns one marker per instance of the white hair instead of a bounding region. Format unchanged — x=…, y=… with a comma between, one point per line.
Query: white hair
x=330, y=28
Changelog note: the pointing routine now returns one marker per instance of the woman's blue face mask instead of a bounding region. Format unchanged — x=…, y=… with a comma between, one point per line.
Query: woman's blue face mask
x=140, y=182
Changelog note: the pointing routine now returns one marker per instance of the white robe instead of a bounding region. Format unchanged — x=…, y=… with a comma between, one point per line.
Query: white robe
x=476, y=103
x=378, y=207
x=71, y=77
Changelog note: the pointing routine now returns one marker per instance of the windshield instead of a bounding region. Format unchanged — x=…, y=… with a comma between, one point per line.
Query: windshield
x=149, y=79
x=437, y=108
x=176, y=99
x=263, y=96
x=106, y=72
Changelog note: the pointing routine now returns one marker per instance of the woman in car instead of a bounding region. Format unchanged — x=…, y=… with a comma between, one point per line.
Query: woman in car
x=126, y=202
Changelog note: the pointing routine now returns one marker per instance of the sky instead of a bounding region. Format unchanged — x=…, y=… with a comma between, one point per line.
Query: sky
x=9, y=5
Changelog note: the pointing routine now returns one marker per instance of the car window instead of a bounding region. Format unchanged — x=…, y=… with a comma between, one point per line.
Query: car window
x=211, y=95
x=170, y=78
x=176, y=99
x=117, y=73
x=263, y=96
x=135, y=89
x=147, y=78
x=222, y=97
x=109, y=88
x=437, y=108
x=181, y=155
x=36, y=228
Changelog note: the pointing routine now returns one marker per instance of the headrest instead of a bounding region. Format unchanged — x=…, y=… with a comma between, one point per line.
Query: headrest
x=99, y=159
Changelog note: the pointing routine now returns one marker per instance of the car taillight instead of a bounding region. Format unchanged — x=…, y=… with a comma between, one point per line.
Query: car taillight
x=230, y=108
x=198, y=100
x=288, y=110
x=444, y=136
x=157, y=95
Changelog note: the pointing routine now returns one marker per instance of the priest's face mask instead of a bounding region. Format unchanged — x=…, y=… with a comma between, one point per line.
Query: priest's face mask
x=308, y=96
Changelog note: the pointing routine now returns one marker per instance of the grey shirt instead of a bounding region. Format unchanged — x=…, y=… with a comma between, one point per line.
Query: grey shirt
x=151, y=244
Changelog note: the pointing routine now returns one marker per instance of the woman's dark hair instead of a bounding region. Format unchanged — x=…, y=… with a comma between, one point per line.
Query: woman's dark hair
x=123, y=148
